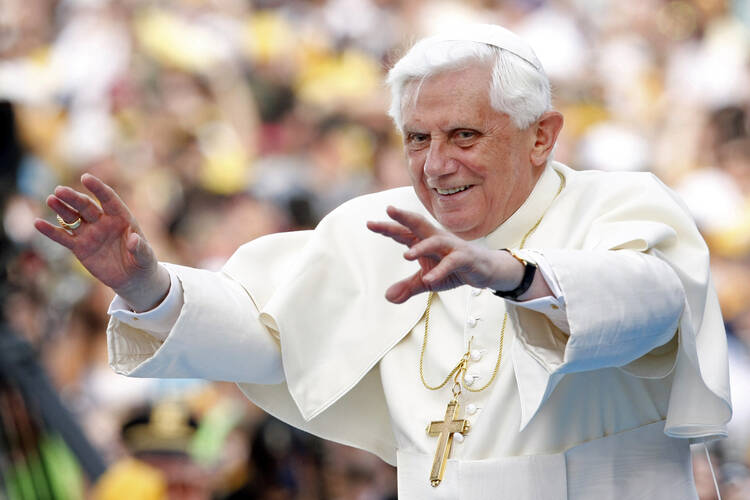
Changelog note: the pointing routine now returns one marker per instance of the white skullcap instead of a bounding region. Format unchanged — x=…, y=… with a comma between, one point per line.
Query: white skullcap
x=490, y=34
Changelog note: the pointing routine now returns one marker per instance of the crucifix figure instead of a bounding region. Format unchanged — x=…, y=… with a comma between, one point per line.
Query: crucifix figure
x=445, y=429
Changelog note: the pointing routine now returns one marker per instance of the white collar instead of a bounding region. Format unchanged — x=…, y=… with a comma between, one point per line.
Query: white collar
x=510, y=233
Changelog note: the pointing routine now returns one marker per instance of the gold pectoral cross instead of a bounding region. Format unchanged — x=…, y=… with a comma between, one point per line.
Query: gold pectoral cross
x=445, y=429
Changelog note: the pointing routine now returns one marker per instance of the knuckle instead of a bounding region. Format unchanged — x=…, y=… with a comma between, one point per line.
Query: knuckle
x=453, y=260
x=443, y=240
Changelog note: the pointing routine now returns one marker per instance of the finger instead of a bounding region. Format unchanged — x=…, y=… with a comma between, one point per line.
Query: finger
x=400, y=292
x=110, y=201
x=55, y=233
x=62, y=209
x=141, y=251
x=447, y=266
x=418, y=224
x=90, y=211
x=394, y=231
x=435, y=246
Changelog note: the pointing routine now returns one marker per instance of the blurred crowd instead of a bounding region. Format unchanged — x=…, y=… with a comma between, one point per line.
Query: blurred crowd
x=219, y=121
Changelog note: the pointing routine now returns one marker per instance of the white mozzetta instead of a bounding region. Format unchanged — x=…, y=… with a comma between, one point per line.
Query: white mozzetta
x=630, y=265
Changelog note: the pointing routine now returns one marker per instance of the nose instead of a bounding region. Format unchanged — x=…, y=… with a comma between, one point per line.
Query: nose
x=438, y=161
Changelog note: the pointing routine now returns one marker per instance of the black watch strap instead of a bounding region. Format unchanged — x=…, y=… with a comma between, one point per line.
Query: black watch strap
x=528, y=276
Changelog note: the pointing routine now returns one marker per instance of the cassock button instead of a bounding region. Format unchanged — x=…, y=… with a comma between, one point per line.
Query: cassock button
x=471, y=408
x=476, y=291
x=458, y=437
x=472, y=322
x=476, y=354
x=471, y=377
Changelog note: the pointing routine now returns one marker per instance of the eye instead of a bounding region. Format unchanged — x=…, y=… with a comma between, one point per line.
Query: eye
x=465, y=137
x=417, y=140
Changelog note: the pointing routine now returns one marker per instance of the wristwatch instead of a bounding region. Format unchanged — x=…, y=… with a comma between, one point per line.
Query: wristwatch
x=529, y=269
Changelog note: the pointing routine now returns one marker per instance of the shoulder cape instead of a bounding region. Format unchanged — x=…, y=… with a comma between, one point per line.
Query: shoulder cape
x=321, y=293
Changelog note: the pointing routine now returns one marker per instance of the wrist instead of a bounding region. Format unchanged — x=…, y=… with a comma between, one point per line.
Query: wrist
x=509, y=271
x=520, y=278
x=146, y=295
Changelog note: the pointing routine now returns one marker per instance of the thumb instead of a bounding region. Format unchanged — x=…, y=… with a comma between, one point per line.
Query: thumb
x=403, y=290
x=140, y=250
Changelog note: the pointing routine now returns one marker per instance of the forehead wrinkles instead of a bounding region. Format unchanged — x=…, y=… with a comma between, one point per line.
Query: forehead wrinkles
x=466, y=89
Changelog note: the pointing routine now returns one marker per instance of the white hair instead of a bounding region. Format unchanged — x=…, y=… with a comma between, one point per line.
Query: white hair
x=518, y=88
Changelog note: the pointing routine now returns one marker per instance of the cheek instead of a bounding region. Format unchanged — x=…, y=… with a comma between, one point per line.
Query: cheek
x=475, y=162
x=492, y=162
x=415, y=167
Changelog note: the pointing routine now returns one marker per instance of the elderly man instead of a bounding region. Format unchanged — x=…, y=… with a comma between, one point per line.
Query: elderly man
x=568, y=344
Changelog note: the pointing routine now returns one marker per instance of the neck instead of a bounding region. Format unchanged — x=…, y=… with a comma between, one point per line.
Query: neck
x=519, y=198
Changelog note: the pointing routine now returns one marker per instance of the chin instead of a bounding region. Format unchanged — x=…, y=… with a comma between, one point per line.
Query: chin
x=459, y=226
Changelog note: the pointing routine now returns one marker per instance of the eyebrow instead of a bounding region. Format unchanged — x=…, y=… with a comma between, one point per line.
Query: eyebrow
x=450, y=129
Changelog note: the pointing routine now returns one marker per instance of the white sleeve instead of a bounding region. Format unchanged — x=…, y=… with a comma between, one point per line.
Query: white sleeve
x=552, y=306
x=158, y=321
x=619, y=306
x=216, y=334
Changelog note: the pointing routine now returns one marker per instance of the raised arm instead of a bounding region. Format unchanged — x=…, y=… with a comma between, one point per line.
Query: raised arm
x=210, y=316
x=108, y=242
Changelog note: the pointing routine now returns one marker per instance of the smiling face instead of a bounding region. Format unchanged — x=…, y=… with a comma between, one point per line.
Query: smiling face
x=470, y=166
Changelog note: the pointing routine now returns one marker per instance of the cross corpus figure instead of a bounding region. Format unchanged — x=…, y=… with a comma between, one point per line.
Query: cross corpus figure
x=445, y=429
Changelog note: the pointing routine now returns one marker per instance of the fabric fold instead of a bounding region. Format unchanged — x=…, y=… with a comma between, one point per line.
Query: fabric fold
x=321, y=295
x=360, y=325
x=646, y=220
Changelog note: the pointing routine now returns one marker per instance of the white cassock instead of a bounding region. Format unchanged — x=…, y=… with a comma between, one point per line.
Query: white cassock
x=600, y=388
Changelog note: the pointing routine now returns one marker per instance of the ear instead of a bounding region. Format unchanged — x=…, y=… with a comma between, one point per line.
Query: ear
x=546, y=130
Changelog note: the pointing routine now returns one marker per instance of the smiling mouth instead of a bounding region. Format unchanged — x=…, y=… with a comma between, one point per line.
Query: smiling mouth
x=451, y=191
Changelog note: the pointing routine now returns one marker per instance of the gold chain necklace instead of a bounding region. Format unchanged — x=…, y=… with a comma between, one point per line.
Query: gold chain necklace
x=446, y=428
x=460, y=368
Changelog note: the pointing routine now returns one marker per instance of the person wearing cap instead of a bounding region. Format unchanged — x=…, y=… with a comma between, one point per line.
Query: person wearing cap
x=159, y=465
x=506, y=327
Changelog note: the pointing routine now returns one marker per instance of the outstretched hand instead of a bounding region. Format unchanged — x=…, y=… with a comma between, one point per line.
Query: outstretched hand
x=445, y=260
x=108, y=242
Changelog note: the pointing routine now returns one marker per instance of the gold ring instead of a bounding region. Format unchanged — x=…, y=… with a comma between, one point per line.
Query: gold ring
x=69, y=225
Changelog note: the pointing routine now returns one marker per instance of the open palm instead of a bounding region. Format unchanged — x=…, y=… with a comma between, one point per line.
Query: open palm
x=108, y=243
x=445, y=260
